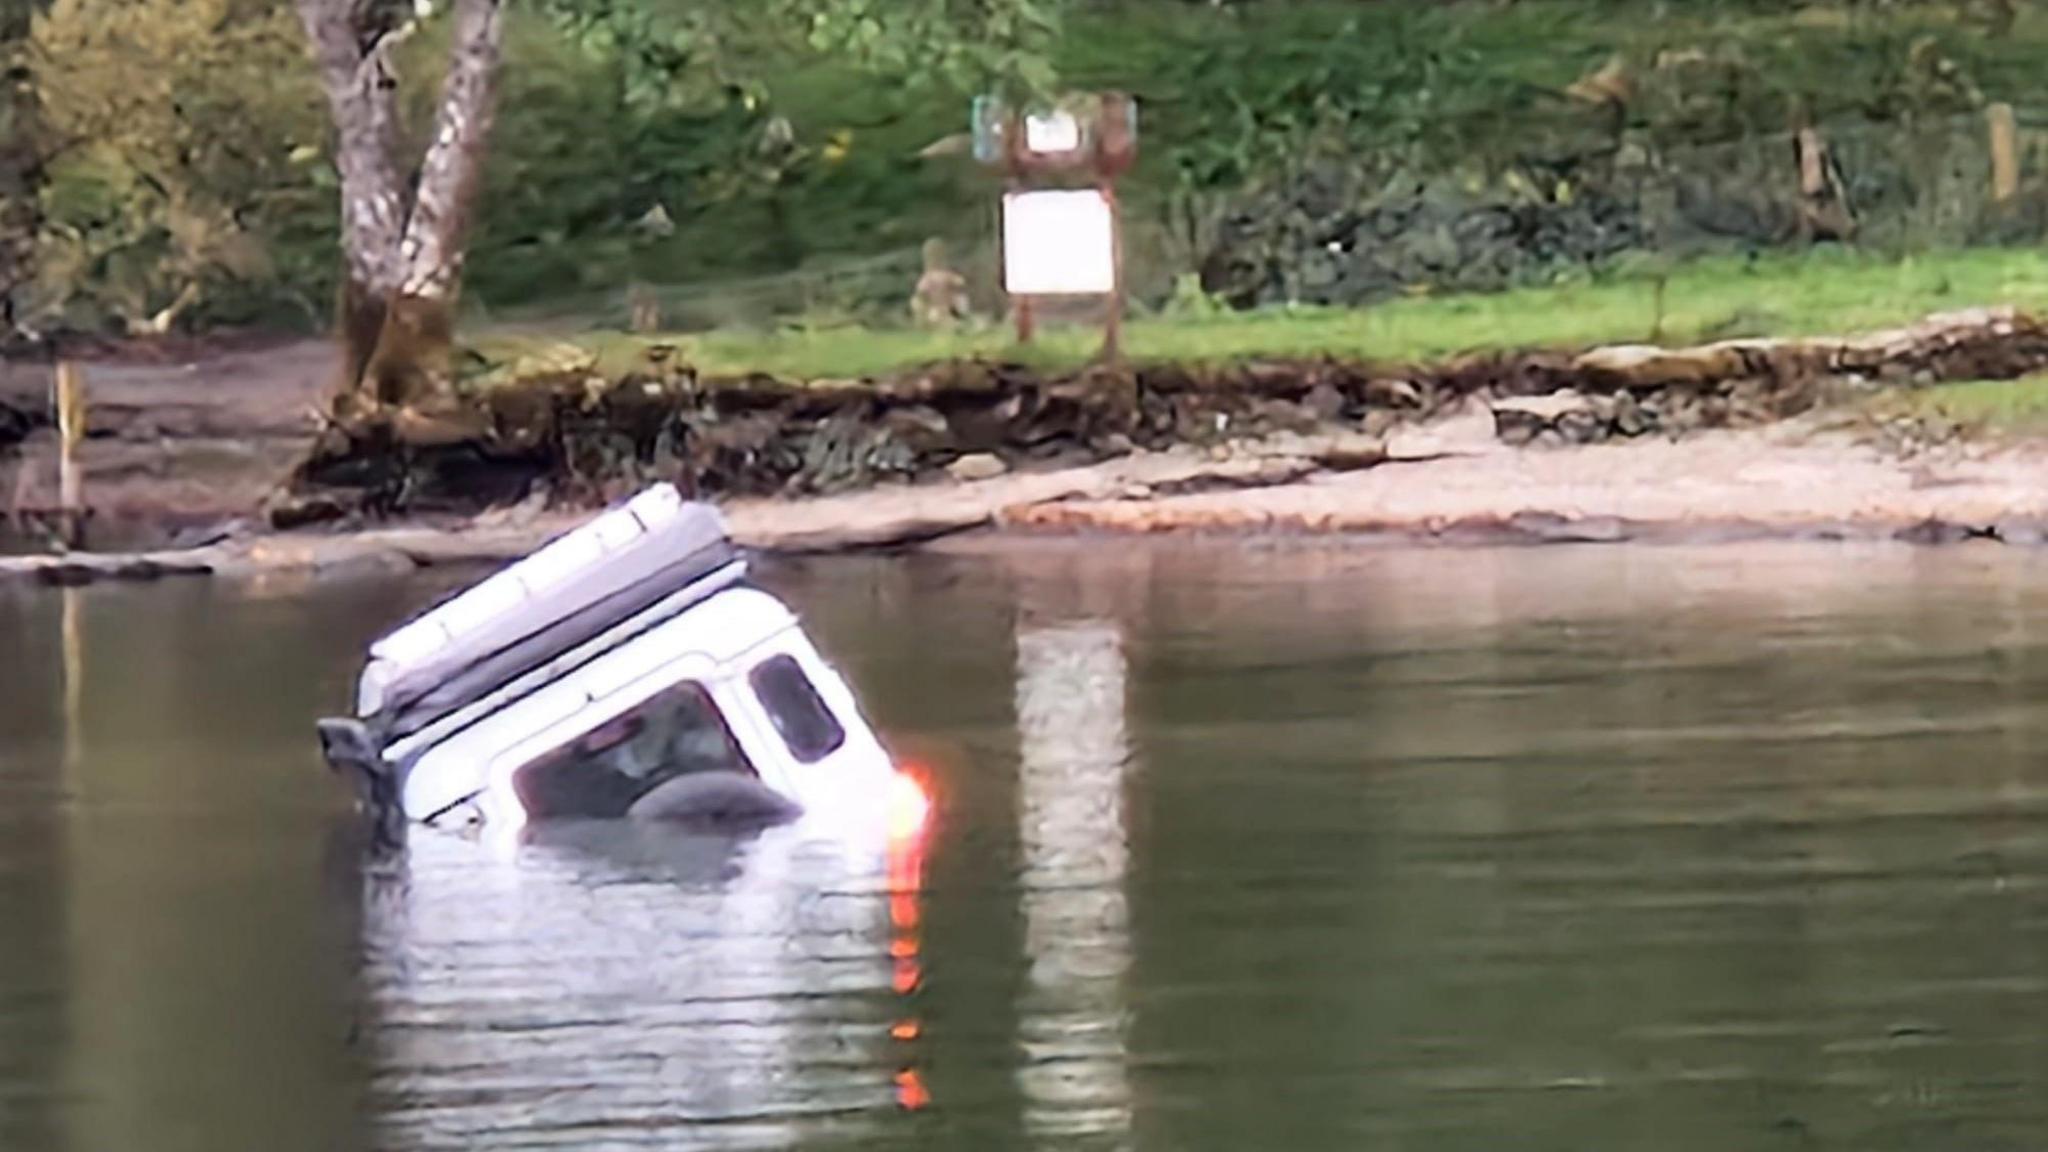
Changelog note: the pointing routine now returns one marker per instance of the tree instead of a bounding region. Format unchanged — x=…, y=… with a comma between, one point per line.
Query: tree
x=163, y=136
x=19, y=163
x=402, y=247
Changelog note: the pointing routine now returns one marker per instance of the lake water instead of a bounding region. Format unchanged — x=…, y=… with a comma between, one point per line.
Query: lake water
x=1236, y=846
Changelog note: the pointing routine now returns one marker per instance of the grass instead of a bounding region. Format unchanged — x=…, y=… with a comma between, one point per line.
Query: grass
x=1995, y=406
x=1773, y=295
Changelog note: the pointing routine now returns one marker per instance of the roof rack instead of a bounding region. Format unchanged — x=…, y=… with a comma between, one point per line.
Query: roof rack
x=576, y=587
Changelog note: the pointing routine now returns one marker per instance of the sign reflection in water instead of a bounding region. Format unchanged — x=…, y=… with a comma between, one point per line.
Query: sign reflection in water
x=1070, y=716
x=624, y=983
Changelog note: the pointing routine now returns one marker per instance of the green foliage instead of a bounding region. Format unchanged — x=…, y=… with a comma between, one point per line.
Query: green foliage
x=1189, y=301
x=948, y=46
x=695, y=143
x=674, y=143
x=180, y=133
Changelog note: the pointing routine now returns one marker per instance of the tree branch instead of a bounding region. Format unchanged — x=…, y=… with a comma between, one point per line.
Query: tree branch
x=433, y=246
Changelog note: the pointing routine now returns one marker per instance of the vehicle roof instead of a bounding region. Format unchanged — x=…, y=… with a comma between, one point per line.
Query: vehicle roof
x=578, y=584
x=695, y=644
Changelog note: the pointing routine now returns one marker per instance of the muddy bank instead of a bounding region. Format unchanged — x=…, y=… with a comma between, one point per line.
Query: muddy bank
x=552, y=420
x=187, y=442
x=181, y=436
x=1448, y=483
x=187, y=461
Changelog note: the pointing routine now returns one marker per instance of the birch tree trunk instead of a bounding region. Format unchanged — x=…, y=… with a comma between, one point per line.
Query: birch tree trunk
x=402, y=249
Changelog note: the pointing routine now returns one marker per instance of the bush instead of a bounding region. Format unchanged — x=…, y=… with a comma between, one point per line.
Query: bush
x=183, y=133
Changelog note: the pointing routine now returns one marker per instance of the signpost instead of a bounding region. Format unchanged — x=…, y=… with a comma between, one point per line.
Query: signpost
x=1060, y=231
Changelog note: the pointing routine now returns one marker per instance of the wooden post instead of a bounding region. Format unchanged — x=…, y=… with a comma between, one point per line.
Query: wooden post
x=1813, y=177
x=73, y=628
x=1824, y=209
x=644, y=311
x=69, y=389
x=2005, y=152
x=1020, y=304
x=1113, y=325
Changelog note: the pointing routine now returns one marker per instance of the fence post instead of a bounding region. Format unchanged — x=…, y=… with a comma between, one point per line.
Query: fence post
x=2005, y=152
x=69, y=389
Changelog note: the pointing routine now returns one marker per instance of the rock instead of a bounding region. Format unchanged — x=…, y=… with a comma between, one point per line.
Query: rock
x=1323, y=403
x=352, y=565
x=1113, y=445
x=1552, y=528
x=919, y=426
x=1548, y=408
x=1581, y=426
x=1934, y=530
x=1648, y=366
x=80, y=568
x=1630, y=418
x=1467, y=431
x=1282, y=416
x=1351, y=455
x=1393, y=393
x=201, y=536
x=1573, y=418
x=298, y=511
x=977, y=466
x=1378, y=422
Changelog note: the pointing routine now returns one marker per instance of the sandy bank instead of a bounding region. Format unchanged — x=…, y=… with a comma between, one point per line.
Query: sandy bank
x=1450, y=483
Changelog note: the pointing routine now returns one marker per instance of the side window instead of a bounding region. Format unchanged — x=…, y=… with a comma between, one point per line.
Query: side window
x=799, y=713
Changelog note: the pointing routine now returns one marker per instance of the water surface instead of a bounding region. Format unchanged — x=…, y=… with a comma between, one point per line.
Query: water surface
x=1266, y=846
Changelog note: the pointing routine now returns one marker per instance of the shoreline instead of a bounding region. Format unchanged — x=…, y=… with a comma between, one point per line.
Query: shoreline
x=1741, y=440
x=1449, y=484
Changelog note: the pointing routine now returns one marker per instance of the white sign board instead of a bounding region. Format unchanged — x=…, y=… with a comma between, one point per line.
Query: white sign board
x=1058, y=243
x=1054, y=132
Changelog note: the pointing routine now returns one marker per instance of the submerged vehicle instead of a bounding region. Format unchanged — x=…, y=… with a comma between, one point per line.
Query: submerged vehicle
x=626, y=669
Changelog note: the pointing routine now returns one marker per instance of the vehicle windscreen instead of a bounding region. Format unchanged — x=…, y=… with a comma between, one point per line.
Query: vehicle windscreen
x=674, y=733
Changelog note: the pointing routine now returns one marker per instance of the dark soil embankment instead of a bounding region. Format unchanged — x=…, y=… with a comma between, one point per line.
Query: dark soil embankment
x=554, y=422
x=179, y=446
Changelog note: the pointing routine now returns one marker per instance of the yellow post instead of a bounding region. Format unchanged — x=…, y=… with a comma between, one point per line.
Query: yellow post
x=71, y=416
x=2005, y=152
x=74, y=685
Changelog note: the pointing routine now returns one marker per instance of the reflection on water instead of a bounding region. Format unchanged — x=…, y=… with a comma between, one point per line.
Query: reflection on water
x=724, y=993
x=1070, y=720
x=1235, y=846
